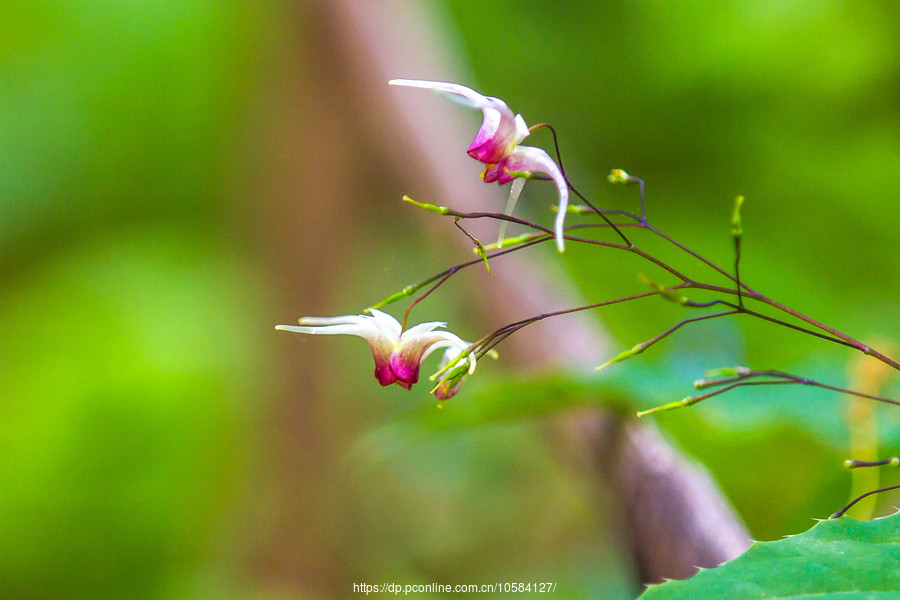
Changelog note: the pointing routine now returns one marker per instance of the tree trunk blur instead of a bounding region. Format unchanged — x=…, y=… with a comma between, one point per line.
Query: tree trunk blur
x=342, y=135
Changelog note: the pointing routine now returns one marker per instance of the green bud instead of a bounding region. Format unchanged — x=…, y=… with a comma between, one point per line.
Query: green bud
x=574, y=209
x=441, y=210
x=479, y=249
x=737, y=229
x=620, y=176
x=405, y=292
x=450, y=366
x=728, y=372
x=666, y=407
x=622, y=356
x=665, y=292
x=513, y=241
x=722, y=372
x=456, y=371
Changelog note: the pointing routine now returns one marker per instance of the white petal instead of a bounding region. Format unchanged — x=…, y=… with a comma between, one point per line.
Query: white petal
x=451, y=346
x=316, y=321
x=563, y=189
x=535, y=160
x=366, y=330
x=454, y=91
x=388, y=325
x=521, y=129
x=425, y=343
x=420, y=329
x=454, y=346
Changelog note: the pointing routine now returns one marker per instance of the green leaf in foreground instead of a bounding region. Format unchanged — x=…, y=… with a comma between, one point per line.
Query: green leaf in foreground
x=841, y=558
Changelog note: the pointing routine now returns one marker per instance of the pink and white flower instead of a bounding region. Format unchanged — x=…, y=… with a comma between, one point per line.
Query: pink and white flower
x=398, y=354
x=497, y=145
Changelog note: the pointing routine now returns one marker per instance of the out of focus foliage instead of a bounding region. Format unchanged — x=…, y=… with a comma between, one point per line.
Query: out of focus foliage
x=128, y=362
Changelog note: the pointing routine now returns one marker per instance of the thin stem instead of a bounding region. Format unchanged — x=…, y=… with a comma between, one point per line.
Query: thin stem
x=643, y=211
x=644, y=345
x=737, y=270
x=740, y=383
x=425, y=295
x=835, y=335
x=571, y=187
x=834, y=388
x=672, y=270
x=758, y=315
x=841, y=512
x=644, y=224
x=692, y=253
x=741, y=288
x=834, y=332
x=742, y=291
x=839, y=339
x=511, y=328
x=856, y=464
x=747, y=377
x=782, y=377
x=559, y=159
x=823, y=336
x=499, y=217
x=607, y=211
x=601, y=213
x=411, y=289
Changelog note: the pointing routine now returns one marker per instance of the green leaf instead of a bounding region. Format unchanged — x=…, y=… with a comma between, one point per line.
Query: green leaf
x=841, y=558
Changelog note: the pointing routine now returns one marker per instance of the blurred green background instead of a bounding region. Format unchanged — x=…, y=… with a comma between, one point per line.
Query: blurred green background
x=146, y=403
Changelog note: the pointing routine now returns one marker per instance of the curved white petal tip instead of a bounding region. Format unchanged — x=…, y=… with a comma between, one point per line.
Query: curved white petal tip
x=454, y=91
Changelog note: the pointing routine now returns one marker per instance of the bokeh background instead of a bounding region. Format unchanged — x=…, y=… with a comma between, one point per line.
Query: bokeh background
x=178, y=177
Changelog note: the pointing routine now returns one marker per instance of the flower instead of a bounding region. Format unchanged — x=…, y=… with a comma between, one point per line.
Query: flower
x=497, y=145
x=398, y=354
